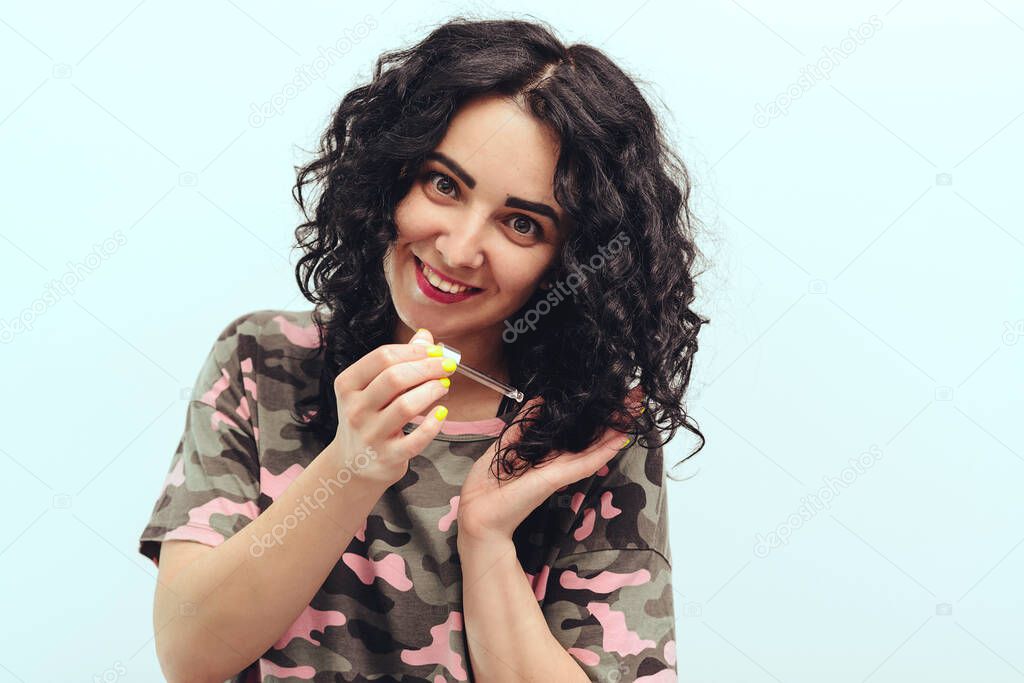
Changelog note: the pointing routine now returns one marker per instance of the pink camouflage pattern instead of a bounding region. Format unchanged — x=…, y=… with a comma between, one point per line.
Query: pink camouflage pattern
x=596, y=553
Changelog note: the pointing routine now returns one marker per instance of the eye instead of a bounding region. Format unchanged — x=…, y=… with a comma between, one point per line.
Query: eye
x=432, y=176
x=537, y=230
x=447, y=179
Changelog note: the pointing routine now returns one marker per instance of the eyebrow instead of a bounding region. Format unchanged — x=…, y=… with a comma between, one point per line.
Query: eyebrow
x=514, y=202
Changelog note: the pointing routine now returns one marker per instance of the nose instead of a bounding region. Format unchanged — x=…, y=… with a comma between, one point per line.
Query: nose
x=461, y=244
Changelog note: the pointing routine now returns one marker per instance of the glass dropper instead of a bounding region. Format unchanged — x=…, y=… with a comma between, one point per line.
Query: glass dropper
x=488, y=381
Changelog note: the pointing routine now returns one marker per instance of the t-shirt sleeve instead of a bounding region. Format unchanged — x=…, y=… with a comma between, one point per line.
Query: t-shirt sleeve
x=212, y=486
x=609, y=596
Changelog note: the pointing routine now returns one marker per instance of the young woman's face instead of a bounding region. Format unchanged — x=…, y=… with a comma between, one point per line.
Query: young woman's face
x=481, y=212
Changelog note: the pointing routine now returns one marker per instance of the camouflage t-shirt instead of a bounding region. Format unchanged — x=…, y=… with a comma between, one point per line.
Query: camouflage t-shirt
x=596, y=553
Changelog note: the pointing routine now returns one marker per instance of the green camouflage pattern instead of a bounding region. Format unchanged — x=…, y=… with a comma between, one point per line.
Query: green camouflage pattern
x=596, y=552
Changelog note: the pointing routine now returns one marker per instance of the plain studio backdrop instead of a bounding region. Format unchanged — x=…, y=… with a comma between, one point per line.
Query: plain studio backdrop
x=855, y=515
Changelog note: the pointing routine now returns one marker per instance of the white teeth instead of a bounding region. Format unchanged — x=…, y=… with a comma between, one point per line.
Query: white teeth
x=443, y=285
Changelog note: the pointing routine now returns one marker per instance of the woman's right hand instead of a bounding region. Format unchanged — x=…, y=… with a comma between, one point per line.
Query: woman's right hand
x=376, y=396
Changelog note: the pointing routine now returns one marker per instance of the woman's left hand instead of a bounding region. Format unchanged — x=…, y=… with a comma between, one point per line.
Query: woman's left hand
x=489, y=512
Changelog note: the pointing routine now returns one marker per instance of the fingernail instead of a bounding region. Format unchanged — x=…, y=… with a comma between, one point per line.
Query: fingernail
x=441, y=413
x=445, y=382
x=626, y=442
x=435, y=350
x=449, y=365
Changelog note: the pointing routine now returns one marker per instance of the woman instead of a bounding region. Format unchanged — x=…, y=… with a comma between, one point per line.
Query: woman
x=323, y=518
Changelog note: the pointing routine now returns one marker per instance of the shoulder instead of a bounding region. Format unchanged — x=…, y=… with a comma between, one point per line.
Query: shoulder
x=246, y=342
x=274, y=355
x=637, y=465
x=254, y=322
x=629, y=496
x=278, y=328
x=271, y=328
x=624, y=505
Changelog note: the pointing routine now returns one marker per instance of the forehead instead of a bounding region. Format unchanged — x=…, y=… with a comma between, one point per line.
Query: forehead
x=504, y=148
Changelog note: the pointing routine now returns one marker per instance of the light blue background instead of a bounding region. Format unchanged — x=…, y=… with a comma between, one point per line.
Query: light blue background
x=859, y=298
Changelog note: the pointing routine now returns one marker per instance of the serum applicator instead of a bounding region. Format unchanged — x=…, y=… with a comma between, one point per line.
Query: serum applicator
x=454, y=354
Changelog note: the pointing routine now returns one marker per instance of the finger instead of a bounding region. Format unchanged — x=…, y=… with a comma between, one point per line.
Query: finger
x=611, y=439
x=395, y=381
x=389, y=421
x=422, y=337
x=571, y=467
x=359, y=374
x=418, y=439
x=381, y=393
x=539, y=483
x=565, y=468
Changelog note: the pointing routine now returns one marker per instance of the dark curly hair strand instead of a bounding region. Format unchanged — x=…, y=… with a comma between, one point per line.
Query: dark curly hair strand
x=628, y=323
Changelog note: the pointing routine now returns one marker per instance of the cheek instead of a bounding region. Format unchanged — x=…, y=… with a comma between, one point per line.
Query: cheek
x=521, y=273
x=413, y=216
x=518, y=280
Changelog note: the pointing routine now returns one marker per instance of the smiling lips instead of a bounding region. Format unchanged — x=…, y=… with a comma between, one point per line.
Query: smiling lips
x=441, y=289
x=437, y=278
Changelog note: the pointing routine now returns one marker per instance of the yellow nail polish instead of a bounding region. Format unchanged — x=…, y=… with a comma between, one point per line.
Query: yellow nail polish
x=445, y=381
x=449, y=365
x=422, y=329
x=441, y=413
x=435, y=351
x=626, y=443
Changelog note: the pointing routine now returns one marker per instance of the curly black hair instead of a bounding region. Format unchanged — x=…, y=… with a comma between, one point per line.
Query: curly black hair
x=628, y=320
